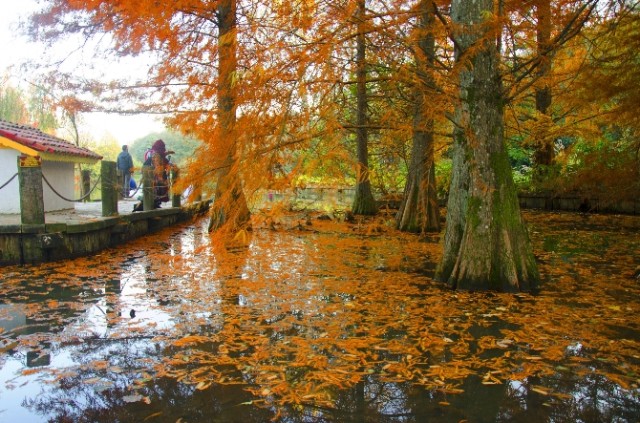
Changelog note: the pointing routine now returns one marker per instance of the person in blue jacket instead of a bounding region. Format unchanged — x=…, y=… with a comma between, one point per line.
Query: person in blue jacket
x=124, y=166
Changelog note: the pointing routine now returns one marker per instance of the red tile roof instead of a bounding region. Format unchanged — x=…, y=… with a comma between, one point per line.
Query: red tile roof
x=37, y=140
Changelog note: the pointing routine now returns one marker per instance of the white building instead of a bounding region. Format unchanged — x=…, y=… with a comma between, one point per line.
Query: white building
x=58, y=158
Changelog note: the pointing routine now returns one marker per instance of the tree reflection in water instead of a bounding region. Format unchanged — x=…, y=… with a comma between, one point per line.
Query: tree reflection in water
x=322, y=325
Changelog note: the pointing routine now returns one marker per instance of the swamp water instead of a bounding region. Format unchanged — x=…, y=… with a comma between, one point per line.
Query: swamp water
x=325, y=322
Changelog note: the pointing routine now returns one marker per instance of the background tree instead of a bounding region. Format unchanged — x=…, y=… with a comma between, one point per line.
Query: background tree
x=419, y=211
x=363, y=202
x=540, y=64
x=12, y=106
x=544, y=153
x=30, y=107
x=184, y=147
x=601, y=159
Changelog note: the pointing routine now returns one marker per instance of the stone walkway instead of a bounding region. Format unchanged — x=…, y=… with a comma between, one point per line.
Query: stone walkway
x=80, y=213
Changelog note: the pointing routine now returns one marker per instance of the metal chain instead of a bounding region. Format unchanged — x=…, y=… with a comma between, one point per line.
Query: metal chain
x=68, y=199
x=9, y=181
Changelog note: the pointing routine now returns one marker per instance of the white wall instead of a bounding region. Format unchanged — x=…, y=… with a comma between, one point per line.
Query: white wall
x=59, y=174
x=9, y=195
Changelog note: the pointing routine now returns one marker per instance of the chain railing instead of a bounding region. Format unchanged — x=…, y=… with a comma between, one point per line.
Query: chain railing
x=55, y=191
x=9, y=181
x=85, y=196
x=69, y=199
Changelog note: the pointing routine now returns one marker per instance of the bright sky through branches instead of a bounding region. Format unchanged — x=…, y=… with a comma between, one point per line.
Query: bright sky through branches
x=16, y=49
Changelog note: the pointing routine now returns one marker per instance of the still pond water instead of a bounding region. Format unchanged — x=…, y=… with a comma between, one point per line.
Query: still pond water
x=313, y=323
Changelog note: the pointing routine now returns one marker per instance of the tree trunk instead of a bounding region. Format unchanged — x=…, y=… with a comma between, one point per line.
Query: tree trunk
x=363, y=202
x=419, y=210
x=486, y=243
x=544, y=153
x=230, y=205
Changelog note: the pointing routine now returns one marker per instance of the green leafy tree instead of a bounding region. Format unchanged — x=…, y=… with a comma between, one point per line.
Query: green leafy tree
x=12, y=106
x=32, y=108
x=182, y=146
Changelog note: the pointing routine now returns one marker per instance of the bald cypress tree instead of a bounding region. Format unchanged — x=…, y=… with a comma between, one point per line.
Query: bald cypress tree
x=486, y=244
x=419, y=210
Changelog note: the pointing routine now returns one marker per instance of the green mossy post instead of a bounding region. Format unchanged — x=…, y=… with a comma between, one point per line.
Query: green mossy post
x=110, y=188
x=31, y=197
x=486, y=244
x=175, y=196
x=147, y=188
x=86, y=184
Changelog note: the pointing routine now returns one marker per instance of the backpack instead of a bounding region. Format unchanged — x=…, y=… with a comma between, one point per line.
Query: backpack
x=148, y=154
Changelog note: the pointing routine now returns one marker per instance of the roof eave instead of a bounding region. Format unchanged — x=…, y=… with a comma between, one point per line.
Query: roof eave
x=68, y=158
x=7, y=142
x=54, y=157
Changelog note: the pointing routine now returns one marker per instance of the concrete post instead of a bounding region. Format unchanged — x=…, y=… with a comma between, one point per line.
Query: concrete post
x=147, y=188
x=109, y=186
x=31, y=197
x=175, y=196
x=86, y=184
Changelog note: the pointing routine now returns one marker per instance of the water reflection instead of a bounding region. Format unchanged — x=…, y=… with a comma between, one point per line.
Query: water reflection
x=302, y=327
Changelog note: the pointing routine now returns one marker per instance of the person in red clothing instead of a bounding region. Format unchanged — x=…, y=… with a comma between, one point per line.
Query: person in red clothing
x=159, y=161
x=161, y=168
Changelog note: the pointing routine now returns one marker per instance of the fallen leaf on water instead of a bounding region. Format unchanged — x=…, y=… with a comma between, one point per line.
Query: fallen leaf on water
x=132, y=398
x=150, y=416
x=201, y=386
x=540, y=390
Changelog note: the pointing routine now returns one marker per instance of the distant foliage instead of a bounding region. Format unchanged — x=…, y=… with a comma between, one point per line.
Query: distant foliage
x=184, y=147
x=607, y=171
x=27, y=108
x=12, y=107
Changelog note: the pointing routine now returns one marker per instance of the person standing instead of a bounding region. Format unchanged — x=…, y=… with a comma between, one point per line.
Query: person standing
x=161, y=168
x=124, y=166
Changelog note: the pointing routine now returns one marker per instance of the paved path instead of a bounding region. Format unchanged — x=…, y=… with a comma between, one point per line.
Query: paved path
x=80, y=213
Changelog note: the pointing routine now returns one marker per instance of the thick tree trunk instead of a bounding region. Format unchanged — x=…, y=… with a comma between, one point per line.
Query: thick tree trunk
x=230, y=208
x=486, y=243
x=363, y=202
x=230, y=205
x=419, y=210
x=544, y=154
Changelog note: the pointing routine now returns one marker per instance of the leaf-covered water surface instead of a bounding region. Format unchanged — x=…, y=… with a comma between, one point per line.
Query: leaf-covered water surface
x=314, y=320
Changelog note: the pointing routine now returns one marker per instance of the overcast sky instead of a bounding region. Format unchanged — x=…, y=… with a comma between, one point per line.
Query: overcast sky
x=14, y=48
